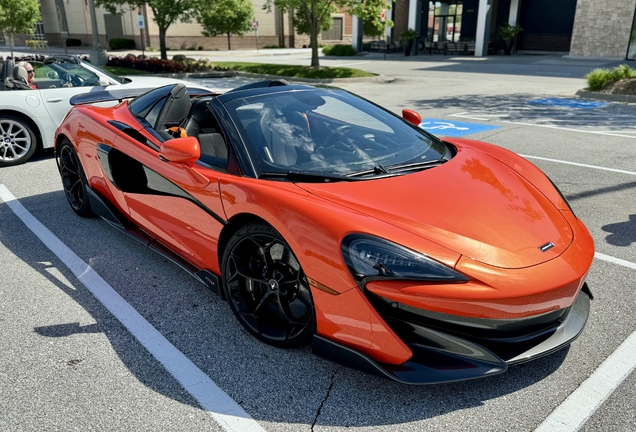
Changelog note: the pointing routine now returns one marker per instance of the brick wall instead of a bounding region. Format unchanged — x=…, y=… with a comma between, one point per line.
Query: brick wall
x=602, y=28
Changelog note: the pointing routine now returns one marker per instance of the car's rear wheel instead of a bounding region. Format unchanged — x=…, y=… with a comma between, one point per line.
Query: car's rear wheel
x=17, y=141
x=73, y=179
x=266, y=288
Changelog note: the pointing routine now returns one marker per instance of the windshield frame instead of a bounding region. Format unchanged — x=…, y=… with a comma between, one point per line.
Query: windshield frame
x=441, y=151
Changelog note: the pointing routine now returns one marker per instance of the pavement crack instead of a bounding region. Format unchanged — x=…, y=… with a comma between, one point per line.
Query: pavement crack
x=333, y=377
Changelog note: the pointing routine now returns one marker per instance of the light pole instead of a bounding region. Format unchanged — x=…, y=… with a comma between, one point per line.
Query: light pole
x=97, y=55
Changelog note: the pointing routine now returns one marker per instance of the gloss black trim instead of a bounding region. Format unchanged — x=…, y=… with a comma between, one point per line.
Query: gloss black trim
x=131, y=176
x=513, y=341
x=440, y=356
x=133, y=133
x=451, y=360
x=117, y=220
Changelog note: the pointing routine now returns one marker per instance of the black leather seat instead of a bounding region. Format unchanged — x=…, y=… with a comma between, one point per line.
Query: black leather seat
x=175, y=109
x=202, y=124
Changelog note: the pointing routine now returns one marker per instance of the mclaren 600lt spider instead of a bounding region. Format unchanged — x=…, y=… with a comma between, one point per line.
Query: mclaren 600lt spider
x=320, y=216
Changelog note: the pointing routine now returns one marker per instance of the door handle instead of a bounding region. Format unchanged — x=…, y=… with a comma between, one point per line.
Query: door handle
x=54, y=100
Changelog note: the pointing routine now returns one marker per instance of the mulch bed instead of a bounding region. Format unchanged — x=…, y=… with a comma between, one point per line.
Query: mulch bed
x=625, y=86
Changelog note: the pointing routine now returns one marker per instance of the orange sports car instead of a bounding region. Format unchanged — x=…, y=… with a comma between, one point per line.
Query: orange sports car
x=320, y=216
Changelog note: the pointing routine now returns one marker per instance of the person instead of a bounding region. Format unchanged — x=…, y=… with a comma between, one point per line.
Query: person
x=30, y=72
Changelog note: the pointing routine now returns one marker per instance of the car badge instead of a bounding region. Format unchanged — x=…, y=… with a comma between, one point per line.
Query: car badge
x=546, y=247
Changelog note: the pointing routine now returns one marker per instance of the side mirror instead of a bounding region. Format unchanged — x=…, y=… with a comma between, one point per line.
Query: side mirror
x=412, y=117
x=181, y=150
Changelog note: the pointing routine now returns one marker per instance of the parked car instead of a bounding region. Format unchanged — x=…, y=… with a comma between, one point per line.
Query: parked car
x=28, y=118
x=322, y=217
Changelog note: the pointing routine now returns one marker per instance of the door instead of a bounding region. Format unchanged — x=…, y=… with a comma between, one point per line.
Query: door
x=59, y=82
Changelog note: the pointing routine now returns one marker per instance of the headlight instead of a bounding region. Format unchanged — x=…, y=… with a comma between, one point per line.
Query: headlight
x=373, y=258
x=567, y=203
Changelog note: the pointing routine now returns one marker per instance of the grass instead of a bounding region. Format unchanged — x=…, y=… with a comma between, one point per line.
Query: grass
x=598, y=79
x=295, y=71
x=291, y=71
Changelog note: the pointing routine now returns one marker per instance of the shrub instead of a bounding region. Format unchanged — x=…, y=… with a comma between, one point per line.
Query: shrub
x=339, y=50
x=71, y=42
x=179, y=58
x=598, y=79
x=156, y=65
x=121, y=43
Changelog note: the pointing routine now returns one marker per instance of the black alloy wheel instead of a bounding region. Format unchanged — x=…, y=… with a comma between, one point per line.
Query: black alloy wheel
x=73, y=179
x=266, y=287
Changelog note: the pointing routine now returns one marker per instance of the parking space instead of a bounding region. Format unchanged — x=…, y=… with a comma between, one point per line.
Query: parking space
x=74, y=365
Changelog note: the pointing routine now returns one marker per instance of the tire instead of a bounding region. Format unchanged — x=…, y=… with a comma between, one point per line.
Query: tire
x=73, y=179
x=17, y=141
x=266, y=287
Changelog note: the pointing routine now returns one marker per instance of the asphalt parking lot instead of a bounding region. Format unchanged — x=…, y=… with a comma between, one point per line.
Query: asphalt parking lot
x=68, y=363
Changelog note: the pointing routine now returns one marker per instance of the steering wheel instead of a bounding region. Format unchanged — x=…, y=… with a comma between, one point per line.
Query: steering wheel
x=333, y=139
x=74, y=80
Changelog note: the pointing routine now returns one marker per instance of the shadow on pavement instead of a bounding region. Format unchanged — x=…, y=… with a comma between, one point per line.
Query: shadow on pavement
x=621, y=233
x=274, y=385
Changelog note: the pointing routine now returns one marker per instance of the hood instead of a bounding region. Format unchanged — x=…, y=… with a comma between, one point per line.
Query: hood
x=473, y=205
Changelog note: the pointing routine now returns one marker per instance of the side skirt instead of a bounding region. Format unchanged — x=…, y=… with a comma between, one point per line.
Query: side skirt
x=114, y=218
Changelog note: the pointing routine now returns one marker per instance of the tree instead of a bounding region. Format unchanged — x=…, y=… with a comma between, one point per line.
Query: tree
x=165, y=12
x=314, y=16
x=19, y=16
x=225, y=17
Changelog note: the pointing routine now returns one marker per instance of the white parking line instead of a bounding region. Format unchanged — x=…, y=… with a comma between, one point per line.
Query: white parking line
x=227, y=413
x=577, y=408
x=572, y=414
x=579, y=164
x=614, y=260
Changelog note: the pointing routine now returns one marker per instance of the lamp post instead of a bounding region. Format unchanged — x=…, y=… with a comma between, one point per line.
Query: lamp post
x=97, y=55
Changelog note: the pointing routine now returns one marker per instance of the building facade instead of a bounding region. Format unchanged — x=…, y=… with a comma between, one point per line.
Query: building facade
x=63, y=19
x=579, y=28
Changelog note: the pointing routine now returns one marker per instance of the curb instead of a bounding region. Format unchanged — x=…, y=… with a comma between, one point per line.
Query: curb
x=377, y=78
x=225, y=74
x=181, y=75
x=606, y=97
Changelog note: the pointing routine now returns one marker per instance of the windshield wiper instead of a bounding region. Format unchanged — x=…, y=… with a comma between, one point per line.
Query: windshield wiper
x=392, y=170
x=304, y=177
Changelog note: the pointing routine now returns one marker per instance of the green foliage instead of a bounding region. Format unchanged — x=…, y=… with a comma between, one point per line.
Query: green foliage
x=598, y=79
x=295, y=71
x=508, y=32
x=375, y=27
x=18, y=16
x=339, y=50
x=165, y=13
x=225, y=17
x=72, y=42
x=313, y=16
x=121, y=43
x=408, y=35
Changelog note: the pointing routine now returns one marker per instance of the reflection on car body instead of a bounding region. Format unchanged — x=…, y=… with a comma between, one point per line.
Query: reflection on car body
x=322, y=217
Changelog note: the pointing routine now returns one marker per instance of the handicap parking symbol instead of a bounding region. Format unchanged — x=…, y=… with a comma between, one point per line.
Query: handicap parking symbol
x=453, y=128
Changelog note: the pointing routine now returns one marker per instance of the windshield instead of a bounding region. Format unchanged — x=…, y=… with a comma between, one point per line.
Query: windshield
x=325, y=131
x=113, y=77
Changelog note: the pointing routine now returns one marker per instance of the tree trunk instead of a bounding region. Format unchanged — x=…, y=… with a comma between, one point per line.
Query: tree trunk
x=313, y=36
x=229, y=47
x=162, y=43
x=11, y=46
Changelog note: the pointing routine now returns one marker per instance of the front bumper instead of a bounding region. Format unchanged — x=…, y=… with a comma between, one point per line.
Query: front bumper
x=446, y=350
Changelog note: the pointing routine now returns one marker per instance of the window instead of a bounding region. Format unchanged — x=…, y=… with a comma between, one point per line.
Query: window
x=335, y=32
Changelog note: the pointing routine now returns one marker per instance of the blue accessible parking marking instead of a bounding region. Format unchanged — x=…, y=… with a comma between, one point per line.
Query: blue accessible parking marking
x=454, y=128
x=569, y=103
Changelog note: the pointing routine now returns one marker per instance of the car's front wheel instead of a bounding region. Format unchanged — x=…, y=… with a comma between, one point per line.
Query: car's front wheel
x=17, y=141
x=73, y=179
x=266, y=288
